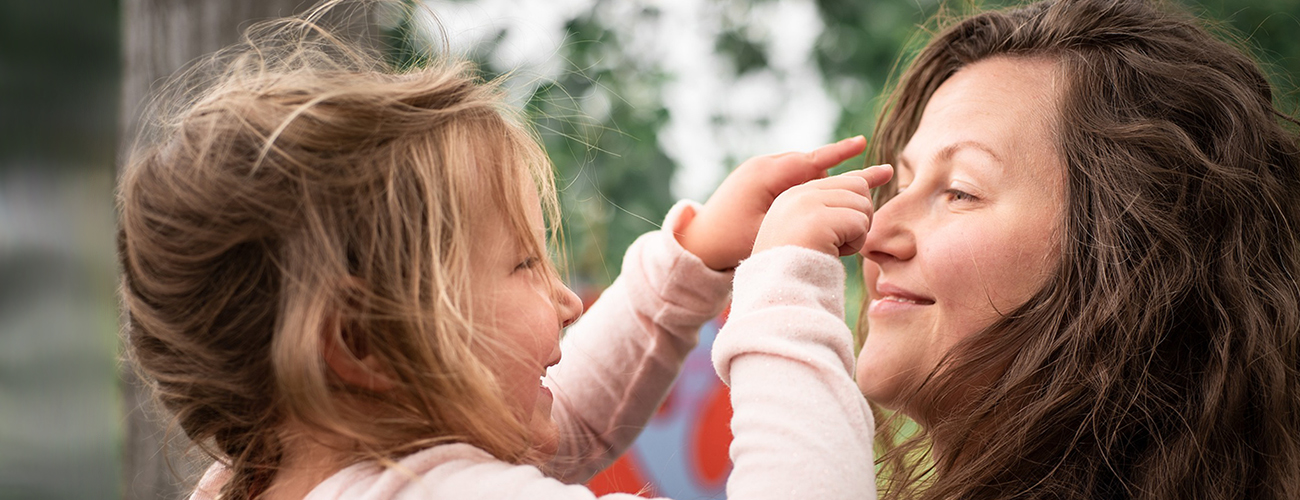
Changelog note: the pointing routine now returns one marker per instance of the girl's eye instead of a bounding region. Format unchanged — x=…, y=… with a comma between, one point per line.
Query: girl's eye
x=527, y=263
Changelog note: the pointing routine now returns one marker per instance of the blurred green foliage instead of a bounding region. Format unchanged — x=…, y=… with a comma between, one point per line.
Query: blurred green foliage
x=1268, y=29
x=59, y=71
x=613, y=175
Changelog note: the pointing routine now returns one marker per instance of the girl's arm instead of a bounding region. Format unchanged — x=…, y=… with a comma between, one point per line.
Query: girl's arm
x=802, y=429
x=621, y=359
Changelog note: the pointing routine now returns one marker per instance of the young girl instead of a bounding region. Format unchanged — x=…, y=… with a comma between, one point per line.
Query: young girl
x=1082, y=281
x=337, y=281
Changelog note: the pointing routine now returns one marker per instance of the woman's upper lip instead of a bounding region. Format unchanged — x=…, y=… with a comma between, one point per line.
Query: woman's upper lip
x=889, y=290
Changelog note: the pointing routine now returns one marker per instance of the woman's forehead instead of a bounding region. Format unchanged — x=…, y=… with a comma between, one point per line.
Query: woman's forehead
x=996, y=108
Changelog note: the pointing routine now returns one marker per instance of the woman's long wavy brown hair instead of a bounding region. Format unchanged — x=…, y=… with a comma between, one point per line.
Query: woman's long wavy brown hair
x=1162, y=361
x=302, y=190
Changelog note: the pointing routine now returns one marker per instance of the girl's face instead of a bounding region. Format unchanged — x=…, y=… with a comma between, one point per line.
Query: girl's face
x=972, y=232
x=526, y=307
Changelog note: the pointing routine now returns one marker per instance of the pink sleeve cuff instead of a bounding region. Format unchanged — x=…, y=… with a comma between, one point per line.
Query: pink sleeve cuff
x=788, y=301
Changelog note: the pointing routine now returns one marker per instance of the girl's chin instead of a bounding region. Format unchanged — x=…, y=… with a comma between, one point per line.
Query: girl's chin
x=545, y=437
x=544, y=432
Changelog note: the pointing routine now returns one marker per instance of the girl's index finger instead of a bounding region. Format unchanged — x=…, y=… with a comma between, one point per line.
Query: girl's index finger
x=830, y=155
x=876, y=175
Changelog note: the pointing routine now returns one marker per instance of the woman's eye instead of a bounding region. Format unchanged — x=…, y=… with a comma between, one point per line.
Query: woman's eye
x=959, y=195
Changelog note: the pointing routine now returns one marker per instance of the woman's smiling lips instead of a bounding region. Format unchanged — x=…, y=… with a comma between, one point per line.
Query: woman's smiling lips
x=890, y=299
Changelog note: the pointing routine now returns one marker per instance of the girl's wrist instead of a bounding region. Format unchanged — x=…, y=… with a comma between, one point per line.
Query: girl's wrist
x=699, y=244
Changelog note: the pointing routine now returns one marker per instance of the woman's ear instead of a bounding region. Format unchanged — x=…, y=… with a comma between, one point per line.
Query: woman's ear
x=349, y=359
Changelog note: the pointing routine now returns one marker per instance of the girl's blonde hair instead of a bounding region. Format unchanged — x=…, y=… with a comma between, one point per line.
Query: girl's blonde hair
x=304, y=190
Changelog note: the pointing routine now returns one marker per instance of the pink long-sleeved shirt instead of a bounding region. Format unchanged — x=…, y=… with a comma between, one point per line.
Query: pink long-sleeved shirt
x=801, y=428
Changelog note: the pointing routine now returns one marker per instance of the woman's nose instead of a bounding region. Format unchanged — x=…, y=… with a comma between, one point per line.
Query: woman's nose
x=890, y=237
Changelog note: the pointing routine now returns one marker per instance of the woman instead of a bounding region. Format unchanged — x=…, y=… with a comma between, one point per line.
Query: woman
x=1083, y=276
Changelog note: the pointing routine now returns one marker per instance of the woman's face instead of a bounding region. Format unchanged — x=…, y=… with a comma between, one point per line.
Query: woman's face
x=972, y=232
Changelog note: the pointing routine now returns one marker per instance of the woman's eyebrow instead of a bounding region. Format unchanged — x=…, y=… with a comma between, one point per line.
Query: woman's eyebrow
x=902, y=163
x=946, y=154
x=950, y=150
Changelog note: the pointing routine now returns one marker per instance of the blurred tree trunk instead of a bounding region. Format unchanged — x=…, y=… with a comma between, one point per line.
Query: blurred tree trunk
x=159, y=37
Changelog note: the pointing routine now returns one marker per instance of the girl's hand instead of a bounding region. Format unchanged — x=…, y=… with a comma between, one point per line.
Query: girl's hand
x=722, y=232
x=829, y=215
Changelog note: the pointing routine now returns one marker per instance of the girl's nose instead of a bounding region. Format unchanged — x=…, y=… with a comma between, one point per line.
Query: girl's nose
x=568, y=305
x=891, y=237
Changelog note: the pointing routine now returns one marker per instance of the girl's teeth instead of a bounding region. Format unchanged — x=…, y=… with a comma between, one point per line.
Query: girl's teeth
x=900, y=299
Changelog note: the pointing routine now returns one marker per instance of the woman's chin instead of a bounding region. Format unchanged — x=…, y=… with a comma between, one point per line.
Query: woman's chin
x=878, y=384
x=887, y=402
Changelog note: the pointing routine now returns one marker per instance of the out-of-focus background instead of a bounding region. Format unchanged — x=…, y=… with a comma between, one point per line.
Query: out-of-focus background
x=640, y=103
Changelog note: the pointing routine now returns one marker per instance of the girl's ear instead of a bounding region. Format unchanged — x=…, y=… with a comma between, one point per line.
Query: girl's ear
x=349, y=359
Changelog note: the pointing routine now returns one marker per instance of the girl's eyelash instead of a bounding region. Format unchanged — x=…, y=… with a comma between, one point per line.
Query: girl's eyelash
x=528, y=263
